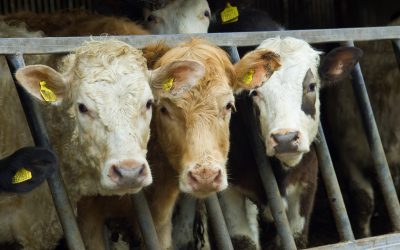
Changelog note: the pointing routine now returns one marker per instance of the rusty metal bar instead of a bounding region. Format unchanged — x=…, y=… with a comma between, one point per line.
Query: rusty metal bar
x=396, y=48
x=68, y=44
x=145, y=221
x=332, y=188
x=55, y=182
x=378, y=155
x=183, y=222
x=218, y=225
x=267, y=175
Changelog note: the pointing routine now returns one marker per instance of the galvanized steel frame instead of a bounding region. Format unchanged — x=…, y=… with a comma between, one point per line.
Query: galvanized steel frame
x=14, y=47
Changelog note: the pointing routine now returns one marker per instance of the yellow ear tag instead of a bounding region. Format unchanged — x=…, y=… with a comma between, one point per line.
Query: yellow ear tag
x=168, y=84
x=47, y=94
x=21, y=175
x=248, y=77
x=230, y=14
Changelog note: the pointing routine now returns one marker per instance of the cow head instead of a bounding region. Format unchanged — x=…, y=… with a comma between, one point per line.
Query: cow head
x=179, y=17
x=287, y=105
x=192, y=124
x=104, y=91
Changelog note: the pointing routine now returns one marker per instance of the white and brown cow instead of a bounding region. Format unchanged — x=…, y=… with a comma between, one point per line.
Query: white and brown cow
x=189, y=145
x=287, y=109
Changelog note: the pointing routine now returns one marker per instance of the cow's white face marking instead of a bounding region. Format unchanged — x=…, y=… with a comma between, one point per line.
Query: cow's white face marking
x=280, y=101
x=179, y=17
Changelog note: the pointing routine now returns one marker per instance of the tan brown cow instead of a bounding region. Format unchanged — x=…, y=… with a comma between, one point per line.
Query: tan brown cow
x=189, y=142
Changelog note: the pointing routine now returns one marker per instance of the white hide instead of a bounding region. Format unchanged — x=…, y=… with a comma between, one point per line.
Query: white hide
x=279, y=99
x=115, y=89
x=179, y=17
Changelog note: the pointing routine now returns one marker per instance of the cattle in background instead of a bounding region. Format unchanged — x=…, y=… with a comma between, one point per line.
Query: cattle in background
x=382, y=77
x=287, y=110
x=178, y=17
x=102, y=147
x=190, y=133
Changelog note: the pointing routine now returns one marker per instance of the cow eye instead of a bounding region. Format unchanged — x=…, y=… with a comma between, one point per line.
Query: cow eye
x=149, y=104
x=311, y=87
x=254, y=93
x=151, y=18
x=82, y=108
x=164, y=110
x=207, y=13
x=230, y=106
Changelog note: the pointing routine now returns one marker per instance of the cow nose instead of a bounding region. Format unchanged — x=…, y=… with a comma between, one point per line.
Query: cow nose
x=128, y=173
x=205, y=179
x=285, y=141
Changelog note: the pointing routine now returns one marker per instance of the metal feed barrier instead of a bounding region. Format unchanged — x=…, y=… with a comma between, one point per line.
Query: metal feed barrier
x=14, y=48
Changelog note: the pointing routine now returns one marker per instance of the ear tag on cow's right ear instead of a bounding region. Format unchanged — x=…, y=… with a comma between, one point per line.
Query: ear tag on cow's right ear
x=168, y=84
x=230, y=14
x=21, y=175
x=248, y=77
x=47, y=94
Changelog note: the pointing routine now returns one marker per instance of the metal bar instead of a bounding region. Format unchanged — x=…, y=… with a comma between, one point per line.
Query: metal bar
x=183, y=222
x=396, y=48
x=382, y=242
x=145, y=221
x=40, y=137
x=67, y=44
x=267, y=175
x=332, y=188
x=106, y=237
x=218, y=225
x=378, y=155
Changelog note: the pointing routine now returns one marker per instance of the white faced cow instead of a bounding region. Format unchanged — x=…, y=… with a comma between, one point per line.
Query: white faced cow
x=287, y=109
x=179, y=17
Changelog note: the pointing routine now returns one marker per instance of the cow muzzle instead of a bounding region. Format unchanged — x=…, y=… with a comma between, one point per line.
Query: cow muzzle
x=285, y=141
x=129, y=174
x=202, y=181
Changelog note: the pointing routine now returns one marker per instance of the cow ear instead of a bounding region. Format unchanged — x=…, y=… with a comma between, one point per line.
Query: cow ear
x=338, y=64
x=43, y=83
x=255, y=68
x=176, y=77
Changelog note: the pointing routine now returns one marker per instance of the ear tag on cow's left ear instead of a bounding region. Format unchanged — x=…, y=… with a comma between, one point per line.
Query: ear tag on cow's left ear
x=230, y=14
x=47, y=94
x=248, y=77
x=168, y=84
x=21, y=175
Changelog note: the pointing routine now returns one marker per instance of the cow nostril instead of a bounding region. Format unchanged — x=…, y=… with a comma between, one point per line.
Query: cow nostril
x=142, y=169
x=117, y=171
x=192, y=178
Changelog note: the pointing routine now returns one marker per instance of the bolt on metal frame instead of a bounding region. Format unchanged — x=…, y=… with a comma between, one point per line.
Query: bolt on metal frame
x=15, y=47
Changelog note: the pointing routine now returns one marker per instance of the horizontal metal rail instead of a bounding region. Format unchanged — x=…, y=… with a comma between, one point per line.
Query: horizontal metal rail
x=40, y=137
x=383, y=242
x=332, y=188
x=375, y=144
x=67, y=44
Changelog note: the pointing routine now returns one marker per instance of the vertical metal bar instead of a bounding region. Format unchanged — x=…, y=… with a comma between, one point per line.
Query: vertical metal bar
x=218, y=225
x=33, y=6
x=145, y=221
x=39, y=6
x=396, y=48
x=52, y=8
x=182, y=233
x=378, y=155
x=106, y=237
x=265, y=169
x=332, y=188
x=40, y=137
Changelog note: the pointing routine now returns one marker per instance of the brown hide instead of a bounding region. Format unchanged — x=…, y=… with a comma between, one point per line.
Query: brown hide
x=76, y=23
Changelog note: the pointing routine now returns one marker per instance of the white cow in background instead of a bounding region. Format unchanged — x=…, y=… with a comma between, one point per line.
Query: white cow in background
x=178, y=17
